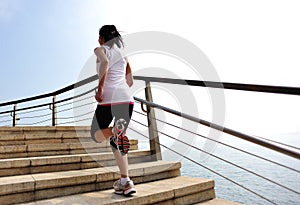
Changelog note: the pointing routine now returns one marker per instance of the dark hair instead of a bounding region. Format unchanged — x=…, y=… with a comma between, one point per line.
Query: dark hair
x=111, y=36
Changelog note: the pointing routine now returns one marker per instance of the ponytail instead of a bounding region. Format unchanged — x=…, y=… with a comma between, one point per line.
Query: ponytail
x=111, y=36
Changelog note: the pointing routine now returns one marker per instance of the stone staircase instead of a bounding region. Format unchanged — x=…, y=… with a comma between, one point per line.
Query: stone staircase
x=61, y=165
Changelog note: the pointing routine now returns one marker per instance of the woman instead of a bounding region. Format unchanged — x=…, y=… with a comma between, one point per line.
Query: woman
x=114, y=101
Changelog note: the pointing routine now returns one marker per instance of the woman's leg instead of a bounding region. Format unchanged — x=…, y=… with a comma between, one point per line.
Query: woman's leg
x=103, y=117
x=101, y=120
x=103, y=134
x=123, y=112
x=122, y=162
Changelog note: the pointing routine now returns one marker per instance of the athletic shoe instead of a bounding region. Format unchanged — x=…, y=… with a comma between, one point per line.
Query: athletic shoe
x=120, y=138
x=126, y=190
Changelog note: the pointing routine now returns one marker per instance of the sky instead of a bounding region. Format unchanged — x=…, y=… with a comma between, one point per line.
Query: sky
x=45, y=45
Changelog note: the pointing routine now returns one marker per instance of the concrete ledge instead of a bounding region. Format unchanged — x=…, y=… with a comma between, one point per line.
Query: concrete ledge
x=16, y=184
x=39, y=129
x=22, y=129
x=70, y=182
x=218, y=202
x=11, y=130
x=14, y=163
x=40, y=136
x=31, y=149
x=11, y=137
x=29, y=134
x=62, y=179
x=30, y=165
x=68, y=178
x=13, y=149
x=158, y=192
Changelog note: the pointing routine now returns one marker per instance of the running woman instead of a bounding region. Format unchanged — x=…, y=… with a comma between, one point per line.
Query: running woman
x=114, y=101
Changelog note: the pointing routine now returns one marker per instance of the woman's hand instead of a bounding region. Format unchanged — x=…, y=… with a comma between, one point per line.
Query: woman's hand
x=99, y=96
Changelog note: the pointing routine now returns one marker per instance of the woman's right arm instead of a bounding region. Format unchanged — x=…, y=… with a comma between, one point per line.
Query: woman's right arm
x=102, y=71
x=129, y=77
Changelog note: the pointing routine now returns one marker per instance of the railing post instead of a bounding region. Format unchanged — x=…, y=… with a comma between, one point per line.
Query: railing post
x=14, y=115
x=152, y=126
x=54, y=118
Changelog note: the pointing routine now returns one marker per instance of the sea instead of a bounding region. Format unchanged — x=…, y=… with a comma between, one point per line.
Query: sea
x=240, y=176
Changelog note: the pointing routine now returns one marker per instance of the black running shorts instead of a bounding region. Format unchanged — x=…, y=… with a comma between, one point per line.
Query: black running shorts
x=104, y=115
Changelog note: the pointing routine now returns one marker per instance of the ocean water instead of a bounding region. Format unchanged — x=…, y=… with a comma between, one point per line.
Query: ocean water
x=228, y=190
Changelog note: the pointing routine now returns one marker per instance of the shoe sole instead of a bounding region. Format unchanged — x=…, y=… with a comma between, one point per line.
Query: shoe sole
x=131, y=192
x=123, y=144
x=122, y=140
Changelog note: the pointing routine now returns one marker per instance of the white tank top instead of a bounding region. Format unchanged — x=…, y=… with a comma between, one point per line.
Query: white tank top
x=115, y=89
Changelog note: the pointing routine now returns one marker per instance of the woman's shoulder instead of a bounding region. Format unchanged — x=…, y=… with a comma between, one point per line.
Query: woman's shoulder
x=99, y=49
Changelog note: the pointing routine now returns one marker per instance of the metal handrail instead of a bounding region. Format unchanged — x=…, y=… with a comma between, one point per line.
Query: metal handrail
x=224, y=85
x=151, y=105
x=224, y=129
x=45, y=104
x=222, y=143
x=236, y=86
x=60, y=91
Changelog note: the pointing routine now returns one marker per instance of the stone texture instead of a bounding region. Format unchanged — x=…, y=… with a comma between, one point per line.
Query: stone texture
x=102, y=175
x=48, y=153
x=195, y=185
x=43, y=141
x=47, y=147
x=16, y=184
x=14, y=163
x=158, y=192
x=54, y=168
x=12, y=137
x=17, y=198
x=13, y=149
x=158, y=176
x=52, y=160
x=195, y=197
x=97, y=157
x=160, y=166
x=38, y=128
x=40, y=136
x=14, y=171
x=62, y=179
x=11, y=130
x=63, y=191
x=50, y=174
x=13, y=155
x=218, y=202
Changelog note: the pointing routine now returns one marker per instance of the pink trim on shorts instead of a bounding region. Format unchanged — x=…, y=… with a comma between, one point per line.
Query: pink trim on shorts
x=117, y=103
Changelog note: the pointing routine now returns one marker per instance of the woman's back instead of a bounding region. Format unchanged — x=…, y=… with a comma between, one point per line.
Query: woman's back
x=115, y=89
x=116, y=67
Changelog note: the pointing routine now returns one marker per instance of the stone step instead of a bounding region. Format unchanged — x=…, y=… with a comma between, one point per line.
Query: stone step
x=43, y=129
x=31, y=130
x=43, y=135
x=24, y=139
x=31, y=165
x=218, y=202
x=31, y=150
x=26, y=188
x=42, y=139
x=177, y=190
